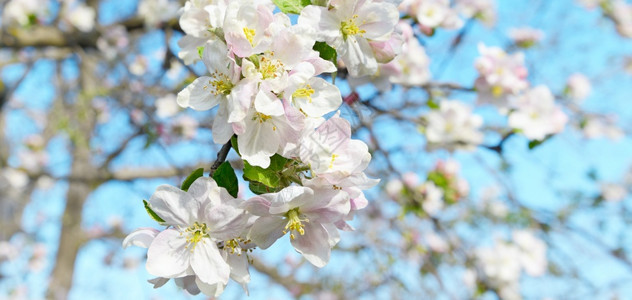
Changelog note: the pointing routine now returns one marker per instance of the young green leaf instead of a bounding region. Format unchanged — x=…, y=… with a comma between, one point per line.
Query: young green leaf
x=195, y=175
x=226, y=178
x=152, y=214
x=291, y=6
x=326, y=52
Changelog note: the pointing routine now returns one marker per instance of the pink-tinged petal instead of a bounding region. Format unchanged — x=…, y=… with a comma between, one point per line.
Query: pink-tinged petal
x=359, y=202
x=378, y=19
x=324, y=23
x=222, y=130
x=258, y=206
x=361, y=181
x=168, y=256
x=226, y=222
x=211, y=290
x=141, y=237
x=215, y=57
x=334, y=235
x=158, y=281
x=358, y=57
x=240, y=100
x=329, y=206
x=199, y=95
x=188, y=283
x=268, y=104
x=266, y=230
x=314, y=244
x=238, y=268
x=208, y=264
x=344, y=226
x=203, y=190
x=289, y=198
x=174, y=206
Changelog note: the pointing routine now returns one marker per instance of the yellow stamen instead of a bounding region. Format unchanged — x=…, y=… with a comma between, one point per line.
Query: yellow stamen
x=305, y=92
x=250, y=34
x=294, y=223
x=333, y=158
x=350, y=27
x=195, y=234
x=260, y=117
x=497, y=91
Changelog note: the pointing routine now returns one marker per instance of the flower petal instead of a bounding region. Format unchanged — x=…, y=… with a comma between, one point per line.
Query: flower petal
x=141, y=237
x=208, y=264
x=174, y=206
x=314, y=245
x=168, y=256
x=266, y=230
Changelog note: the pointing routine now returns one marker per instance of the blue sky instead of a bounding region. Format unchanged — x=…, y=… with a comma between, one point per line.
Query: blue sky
x=576, y=40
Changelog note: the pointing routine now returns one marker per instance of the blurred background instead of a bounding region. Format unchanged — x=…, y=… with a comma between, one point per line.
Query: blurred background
x=90, y=127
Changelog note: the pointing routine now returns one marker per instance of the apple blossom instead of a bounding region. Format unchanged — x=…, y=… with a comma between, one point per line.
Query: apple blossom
x=578, y=87
x=349, y=26
x=306, y=215
x=200, y=219
x=453, y=126
x=536, y=114
x=501, y=75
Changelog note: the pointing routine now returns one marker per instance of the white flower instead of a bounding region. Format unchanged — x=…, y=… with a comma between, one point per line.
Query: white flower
x=501, y=75
x=525, y=37
x=432, y=201
x=23, y=12
x=81, y=17
x=222, y=87
x=266, y=130
x=453, y=126
x=613, y=192
x=532, y=252
x=199, y=219
x=348, y=26
x=536, y=114
x=484, y=10
x=331, y=153
x=578, y=87
x=167, y=106
x=307, y=216
x=156, y=11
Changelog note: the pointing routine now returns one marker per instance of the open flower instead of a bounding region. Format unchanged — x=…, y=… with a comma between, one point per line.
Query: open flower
x=348, y=26
x=308, y=218
x=198, y=220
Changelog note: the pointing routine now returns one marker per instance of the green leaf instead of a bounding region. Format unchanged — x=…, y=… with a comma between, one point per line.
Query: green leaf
x=326, y=52
x=536, y=143
x=260, y=188
x=270, y=176
x=233, y=142
x=226, y=178
x=291, y=6
x=151, y=213
x=195, y=175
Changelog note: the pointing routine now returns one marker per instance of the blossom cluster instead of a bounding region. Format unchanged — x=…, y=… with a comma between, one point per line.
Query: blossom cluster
x=265, y=75
x=619, y=11
x=433, y=14
x=75, y=15
x=443, y=187
x=503, y=263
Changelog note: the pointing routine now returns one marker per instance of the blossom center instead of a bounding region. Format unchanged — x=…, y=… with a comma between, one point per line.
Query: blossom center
x=350, y=27
x=250, y=34
x=305, y=92
x=220, y=83
x=269, y=67
x=260, y=117
x=195, y=233
x=294, y=223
